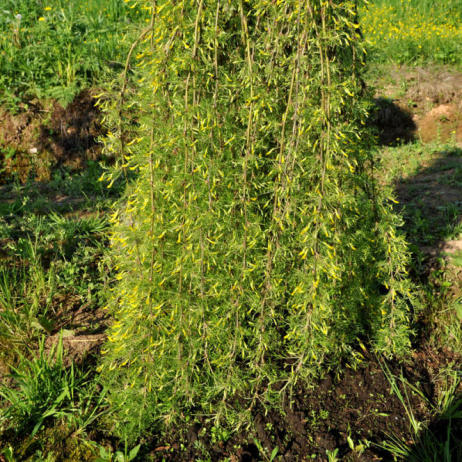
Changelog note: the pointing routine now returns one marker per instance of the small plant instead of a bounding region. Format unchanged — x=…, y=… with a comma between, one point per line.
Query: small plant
x=8, y=454
x=358, y=448
x=42, y=388
x=219, y=434
x=428, y=446
x=332, y=455
x=263, y=452
x=107, y=455
x=90, y=407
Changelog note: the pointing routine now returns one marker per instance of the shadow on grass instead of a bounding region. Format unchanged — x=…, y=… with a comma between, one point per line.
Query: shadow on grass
x=393, y=124
x=53, y=267
x=431, y=205
x=65, y=193
x=442, y=440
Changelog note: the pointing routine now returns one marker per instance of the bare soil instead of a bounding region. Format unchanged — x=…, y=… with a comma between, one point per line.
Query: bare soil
x=81, y=327
x=43, y=136
x=419, y=103
x=354, y=407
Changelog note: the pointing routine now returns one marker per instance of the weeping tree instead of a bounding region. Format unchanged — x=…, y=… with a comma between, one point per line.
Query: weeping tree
x=254, y=248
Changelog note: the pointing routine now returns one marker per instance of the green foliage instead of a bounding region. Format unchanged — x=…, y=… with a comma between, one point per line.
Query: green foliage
x=413, y=31
x=266, y=456
x=52, y=243
x=52, y=49
x=51, y=259
x=332, y=455
x=42, y=388
x=254, y=247
x=106, y=455
x=8, y=454
x=425, y=7
x=440, y=441
x=429, y=179
x=52, y=256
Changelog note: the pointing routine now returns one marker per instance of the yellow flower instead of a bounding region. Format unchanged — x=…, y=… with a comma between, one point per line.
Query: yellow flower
x=47, y=8
x=42, y=19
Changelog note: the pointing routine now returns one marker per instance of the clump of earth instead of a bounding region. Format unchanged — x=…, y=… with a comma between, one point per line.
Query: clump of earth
x=419, y=103
x=41, y=136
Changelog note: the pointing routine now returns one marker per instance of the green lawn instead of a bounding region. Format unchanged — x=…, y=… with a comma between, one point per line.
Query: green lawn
x=413, y=31
x=53, y=48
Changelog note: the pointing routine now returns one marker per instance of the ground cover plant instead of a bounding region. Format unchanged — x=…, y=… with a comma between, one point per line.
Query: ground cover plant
x=53, y=220
x=53, y=239
x=413, y=31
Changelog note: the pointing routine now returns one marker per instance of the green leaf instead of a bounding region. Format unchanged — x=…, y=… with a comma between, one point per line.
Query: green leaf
x=274, y=453
x=134, y=452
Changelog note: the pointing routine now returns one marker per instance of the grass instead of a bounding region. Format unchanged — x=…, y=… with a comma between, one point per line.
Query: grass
x=53, y=235
x=437, y=441
x=413, y=31
x=106, y=455
x=52, y=259
x=428, y=183
x=50, y=249
x=54, y=48
x=42, y=388
x=427, y=177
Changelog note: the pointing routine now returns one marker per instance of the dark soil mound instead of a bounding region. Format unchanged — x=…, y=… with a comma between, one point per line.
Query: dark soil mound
x=43, y=136
x=354, y=412
x=418, y=103
x=72, y=132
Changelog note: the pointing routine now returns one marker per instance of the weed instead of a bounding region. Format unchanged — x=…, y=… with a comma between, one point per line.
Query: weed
x=403, y=396
x=8, y=454
x=264, y=452
x=357, y=448
x=429, y=444
x=90, y=407
x=52, y=255
x=219, y=434
x=443, y=303
x=42, y=388
x=332, y=455
x=106, y=455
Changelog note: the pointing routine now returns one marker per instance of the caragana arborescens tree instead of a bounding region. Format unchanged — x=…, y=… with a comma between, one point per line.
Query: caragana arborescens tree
x=254, y=247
